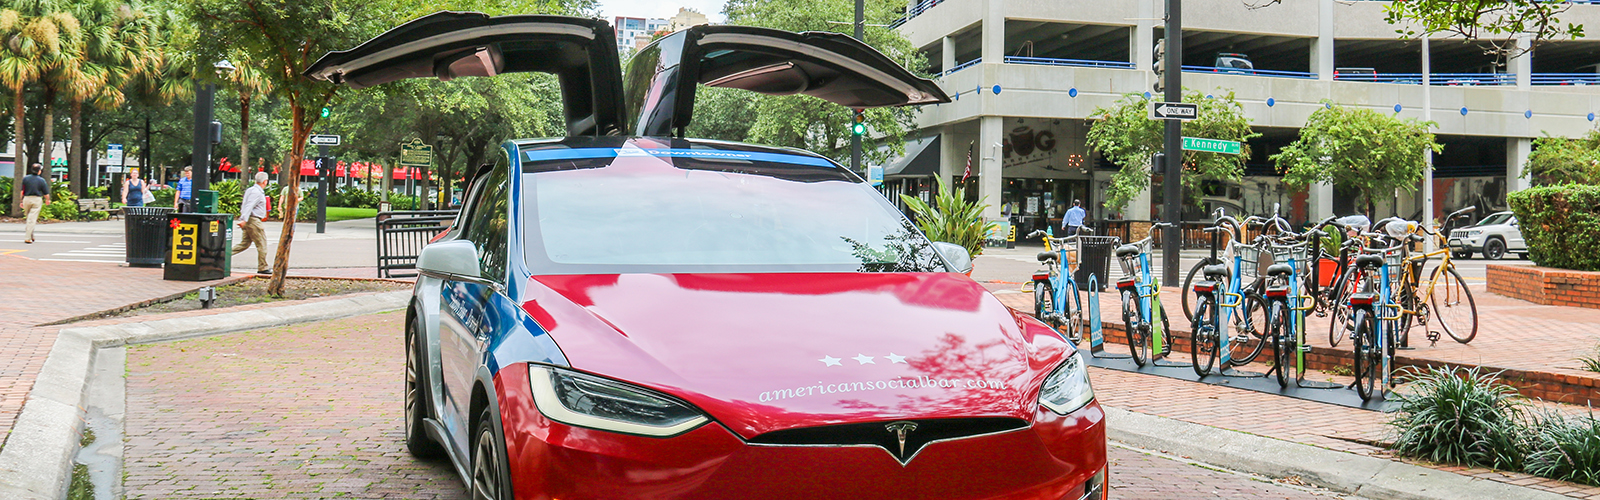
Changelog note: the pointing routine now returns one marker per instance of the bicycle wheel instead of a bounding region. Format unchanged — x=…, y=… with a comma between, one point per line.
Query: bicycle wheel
x=1278, y=336
x=1367, y=357
x=1138, y=336
x=1452, y=304
x=1339, y=321
x=1249, y=333
x=1204, y=342
x=1073, y=315
x=1188, y=284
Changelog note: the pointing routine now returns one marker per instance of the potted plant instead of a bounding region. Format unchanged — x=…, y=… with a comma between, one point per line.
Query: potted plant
x=952, y=219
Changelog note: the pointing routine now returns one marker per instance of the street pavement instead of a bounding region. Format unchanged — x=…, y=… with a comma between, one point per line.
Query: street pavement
x=345, y=244
x=314, y=411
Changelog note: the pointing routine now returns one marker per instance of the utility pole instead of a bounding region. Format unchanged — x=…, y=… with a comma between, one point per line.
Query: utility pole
x=855, y=138
x=204, y=100
x=1172, y=204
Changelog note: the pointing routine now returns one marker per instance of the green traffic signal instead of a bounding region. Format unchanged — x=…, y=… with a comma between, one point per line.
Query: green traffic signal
x=859, y=128
x=858, y=123
x=327, y=112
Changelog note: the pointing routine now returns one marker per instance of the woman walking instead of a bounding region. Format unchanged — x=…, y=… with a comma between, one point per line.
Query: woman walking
x=135, y=191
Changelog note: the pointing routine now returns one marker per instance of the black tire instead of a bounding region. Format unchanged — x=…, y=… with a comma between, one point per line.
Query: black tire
x=1367, y=359
x=1204, y=343
x=1461, y=255
x=491, y=475
x=1339, y=317
x=418, y=443
x=1494, y=249
x=1074, y=316
x=1042, y=305
x=1138, y=338
x=1248, y=330
x=1278, y=336
x=1188, y=284
x=1451, y=302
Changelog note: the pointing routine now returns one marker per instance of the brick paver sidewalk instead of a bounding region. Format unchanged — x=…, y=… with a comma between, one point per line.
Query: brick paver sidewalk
x=33, y=292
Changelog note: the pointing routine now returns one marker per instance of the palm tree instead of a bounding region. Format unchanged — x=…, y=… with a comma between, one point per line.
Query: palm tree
x=27, y=45
x=250, y=82
x=116, y=50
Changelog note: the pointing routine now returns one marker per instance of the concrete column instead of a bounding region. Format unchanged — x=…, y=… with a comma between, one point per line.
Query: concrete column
x=1522, y=65
x=994, y=32
x=1322, y=47
x=952, y=154
x=1139, y=207
x=1143, y=38
x=1321, y=200
x=986, y=157
x=1517, y=150
x=948, y=57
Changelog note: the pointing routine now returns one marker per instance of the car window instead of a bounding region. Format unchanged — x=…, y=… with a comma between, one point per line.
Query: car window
x=1494, y=219
x=487, y=225
x=711, y=211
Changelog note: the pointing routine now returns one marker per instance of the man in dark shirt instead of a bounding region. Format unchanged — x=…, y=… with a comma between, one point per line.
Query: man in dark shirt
x=35, y=195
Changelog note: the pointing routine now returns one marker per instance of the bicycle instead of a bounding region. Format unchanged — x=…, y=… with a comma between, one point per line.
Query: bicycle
x=1287, y=305
x=1376, y=317
x=1212, y=316
x=1141, y=300
x=1452, y=302
x=1050, y=297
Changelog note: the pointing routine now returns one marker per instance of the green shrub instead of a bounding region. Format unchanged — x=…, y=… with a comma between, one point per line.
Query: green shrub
x=5, y=193
x=1565, y=448
x=953, y=219
x=1561, y=224
x=92, y=192
x=60, y=209
x=162, y=198
x=1460, y=417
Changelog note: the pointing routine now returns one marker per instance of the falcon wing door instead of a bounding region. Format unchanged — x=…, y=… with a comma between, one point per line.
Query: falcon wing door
x=661, y=79
x=582, y=53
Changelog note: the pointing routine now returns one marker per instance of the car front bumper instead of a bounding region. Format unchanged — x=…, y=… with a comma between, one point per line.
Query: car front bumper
x=1466, y=243
x=1058, y=457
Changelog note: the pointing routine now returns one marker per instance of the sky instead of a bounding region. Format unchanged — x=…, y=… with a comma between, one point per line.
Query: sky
x=657, y=8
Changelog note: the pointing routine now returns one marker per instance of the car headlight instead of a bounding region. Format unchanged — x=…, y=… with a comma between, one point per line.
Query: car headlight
x=1067, y=389
x=587, y=401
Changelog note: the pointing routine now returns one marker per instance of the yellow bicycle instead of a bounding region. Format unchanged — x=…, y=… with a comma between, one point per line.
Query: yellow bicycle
x=1444, y=295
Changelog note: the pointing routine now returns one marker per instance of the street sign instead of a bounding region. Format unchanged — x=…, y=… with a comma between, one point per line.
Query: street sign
x=324, y=140
x=1211, y=145
x=416, y=154
x=875, y=174
x=325, y=165
x=113, y=155
x=1174, y=111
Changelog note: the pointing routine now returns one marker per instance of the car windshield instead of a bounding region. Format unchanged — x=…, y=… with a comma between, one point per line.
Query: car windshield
x=681, y=210
x=1491, y=220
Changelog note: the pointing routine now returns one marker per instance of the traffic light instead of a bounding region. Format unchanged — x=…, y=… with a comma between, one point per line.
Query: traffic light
x=1160, y=66
x=326, y=112
x=1158, y=163
x=858, y=123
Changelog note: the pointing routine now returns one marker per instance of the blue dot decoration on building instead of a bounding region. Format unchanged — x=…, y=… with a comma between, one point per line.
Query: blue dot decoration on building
x=1072, y=92
x=980, y=90
x=1146, y=95
x=996, y=89
x=1208, y=96
x=1527, y=114
x=1271, y=102
x=1591, y=117
x=1463, y=111
x=1397, y=108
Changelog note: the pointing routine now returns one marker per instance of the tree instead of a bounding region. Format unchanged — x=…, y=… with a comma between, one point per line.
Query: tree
x=1491, y=21
x=1362, y=149
x=1560, y=160
x=1127, y=136
x=30, y=40
x=249, y=82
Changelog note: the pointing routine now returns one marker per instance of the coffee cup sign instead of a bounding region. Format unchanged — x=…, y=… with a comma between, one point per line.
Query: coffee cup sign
x=1024, y=142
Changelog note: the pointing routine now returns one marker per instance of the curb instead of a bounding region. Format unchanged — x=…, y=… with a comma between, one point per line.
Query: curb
x=36, y=462
x=1349, y=473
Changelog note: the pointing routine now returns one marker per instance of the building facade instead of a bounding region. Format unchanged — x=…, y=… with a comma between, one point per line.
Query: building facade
x=1027, y=77
x=634, y=33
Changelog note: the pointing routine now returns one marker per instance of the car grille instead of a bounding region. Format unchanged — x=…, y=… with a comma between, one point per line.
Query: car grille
x=886, y=434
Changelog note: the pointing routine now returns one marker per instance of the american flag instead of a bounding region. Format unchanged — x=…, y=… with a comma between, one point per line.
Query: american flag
x=968, y=171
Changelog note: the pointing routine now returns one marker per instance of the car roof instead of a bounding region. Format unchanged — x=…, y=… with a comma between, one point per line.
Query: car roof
x=577, y=142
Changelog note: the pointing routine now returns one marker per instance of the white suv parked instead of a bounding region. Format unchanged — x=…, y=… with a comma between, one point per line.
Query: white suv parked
x=1493, y=236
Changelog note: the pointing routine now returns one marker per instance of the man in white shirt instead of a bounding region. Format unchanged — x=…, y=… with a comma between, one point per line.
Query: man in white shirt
x=251, y=212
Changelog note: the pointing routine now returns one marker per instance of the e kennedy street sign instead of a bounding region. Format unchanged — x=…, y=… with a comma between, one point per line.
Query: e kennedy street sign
x=1174, y=111
x=1211, y=145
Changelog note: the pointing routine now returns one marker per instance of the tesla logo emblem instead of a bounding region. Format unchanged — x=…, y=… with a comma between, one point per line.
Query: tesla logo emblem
x=900, y=429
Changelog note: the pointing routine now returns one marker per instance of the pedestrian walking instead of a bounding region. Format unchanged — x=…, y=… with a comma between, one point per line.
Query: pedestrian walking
x=135, y=191
x=185, y=190
x=251, y=211
x=35, y=195
x=1073, y=219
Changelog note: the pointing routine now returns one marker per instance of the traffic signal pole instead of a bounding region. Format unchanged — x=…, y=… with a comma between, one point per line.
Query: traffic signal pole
x=855, y=138
x=1172, y=203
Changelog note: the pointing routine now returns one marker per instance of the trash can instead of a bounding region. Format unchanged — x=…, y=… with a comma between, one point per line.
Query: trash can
x=1094, y=257
x=145, y=235
x=198, y=248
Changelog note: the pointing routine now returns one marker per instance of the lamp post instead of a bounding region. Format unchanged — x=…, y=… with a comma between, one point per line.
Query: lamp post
x=205, y=94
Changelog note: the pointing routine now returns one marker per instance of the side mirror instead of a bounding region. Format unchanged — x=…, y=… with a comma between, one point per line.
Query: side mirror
x=956, y=255
x=455, y=257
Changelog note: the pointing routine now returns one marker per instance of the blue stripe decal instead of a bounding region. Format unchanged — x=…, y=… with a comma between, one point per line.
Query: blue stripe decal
x=572, y=154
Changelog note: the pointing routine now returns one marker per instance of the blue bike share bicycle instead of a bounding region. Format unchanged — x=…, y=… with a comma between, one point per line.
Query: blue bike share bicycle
x=1141, y=301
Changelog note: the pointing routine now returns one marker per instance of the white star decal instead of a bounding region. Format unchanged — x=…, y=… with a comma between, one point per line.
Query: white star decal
x=864, y=359
x=895, y=358
x=829, y=361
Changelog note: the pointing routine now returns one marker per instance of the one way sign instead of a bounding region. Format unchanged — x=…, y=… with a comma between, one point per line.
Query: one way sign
x=1174, y=111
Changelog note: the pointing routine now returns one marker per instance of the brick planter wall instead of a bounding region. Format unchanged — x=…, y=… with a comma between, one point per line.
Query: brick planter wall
x=1547, y=286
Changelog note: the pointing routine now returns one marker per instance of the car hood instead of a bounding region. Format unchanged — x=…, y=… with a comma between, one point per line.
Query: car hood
x=766, y=352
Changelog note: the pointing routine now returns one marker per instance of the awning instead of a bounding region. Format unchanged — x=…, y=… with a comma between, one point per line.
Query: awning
x=921, y=160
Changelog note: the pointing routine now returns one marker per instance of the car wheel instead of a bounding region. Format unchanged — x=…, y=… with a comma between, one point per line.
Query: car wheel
x=416, y=401
x=491, y=477
x=1494, y=249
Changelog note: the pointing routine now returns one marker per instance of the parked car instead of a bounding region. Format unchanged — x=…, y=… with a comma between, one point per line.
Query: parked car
x=627, y=313
x=1356, y=74
x=1234, y=63
x=1493, y=237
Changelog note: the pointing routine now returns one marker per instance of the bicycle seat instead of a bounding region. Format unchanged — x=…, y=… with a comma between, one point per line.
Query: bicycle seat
x=1279, y=270
x=1369, y=261
x=1047, y=256
x=1215, y=271
x=1128, y=249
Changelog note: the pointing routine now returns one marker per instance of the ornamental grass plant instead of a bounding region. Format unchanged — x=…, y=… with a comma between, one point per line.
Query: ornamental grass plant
x=1460, y=416
x=1564, y=447
x=952, y=219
